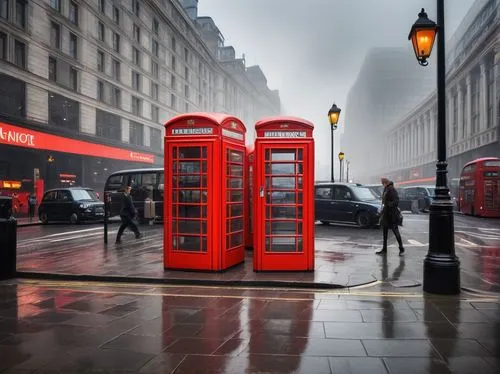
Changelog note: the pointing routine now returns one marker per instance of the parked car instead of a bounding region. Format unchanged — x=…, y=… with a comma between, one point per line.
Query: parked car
x=72, y=204
x=416, y=198
x=346, y=203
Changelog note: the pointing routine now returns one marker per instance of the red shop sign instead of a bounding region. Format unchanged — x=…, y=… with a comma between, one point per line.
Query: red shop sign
x=20, y=137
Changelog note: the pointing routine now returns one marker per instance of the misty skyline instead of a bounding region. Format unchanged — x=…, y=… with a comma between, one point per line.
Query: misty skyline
x=312, y=51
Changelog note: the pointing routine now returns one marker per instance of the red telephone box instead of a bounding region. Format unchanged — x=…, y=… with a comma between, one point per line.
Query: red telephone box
x=250, y=155
x=204, y=199
x=284, y=195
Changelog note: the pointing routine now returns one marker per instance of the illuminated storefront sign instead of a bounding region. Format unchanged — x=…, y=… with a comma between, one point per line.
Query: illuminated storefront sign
x=20, y=137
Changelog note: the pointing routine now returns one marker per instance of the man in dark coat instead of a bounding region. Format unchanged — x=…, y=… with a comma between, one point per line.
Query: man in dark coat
x=127, y=215
x=391, y=215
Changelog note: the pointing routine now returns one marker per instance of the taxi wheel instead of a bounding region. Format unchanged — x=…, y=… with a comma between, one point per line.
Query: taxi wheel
x=44, y=218
x=363, y=219
x=73, y=219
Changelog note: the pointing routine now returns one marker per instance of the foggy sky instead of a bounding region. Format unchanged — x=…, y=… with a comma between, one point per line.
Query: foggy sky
x=311, y=51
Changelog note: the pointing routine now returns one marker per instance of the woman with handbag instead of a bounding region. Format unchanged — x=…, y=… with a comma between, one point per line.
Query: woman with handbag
x=391, y=216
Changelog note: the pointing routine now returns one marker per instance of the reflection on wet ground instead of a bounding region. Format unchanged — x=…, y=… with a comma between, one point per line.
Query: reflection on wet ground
x=344, y=256
x=65, y=327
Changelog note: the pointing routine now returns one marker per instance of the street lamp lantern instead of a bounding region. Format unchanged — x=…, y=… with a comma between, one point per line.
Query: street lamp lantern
x=333, y=115
x=422, y=35
x=341, y=156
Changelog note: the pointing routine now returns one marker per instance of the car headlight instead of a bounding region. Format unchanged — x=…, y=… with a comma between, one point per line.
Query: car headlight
x=84, y=206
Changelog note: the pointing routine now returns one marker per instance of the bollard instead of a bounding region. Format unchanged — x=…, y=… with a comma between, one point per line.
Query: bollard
x=8, y=239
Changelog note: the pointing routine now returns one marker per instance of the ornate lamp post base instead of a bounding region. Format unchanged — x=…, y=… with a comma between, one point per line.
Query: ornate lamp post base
x=441, y=266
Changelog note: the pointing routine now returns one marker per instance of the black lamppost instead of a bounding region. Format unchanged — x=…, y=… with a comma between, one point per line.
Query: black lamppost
x=333, y=116
x=441, y=265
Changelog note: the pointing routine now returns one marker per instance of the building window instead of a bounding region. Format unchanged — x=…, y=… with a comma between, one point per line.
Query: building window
x=64, y=112
x=12, y=96
x=172, y=82
x=116, y=15
x=156, y=48
x=475, y=105
x=186, y=91
x=137, y=33
x=3, y=46
x=156, y=26
x=174, y=44
x=136, y=106
x=108, y=125
x=155, y=113
x=116, y=42
x=454, y=102
x=186, y=73
x=173, y=101
x=20, y=54
x=116, y=97
x=154, y=91
x=101, y=31
x=52, y=69
x=102, y=6
x=73, y=78
x=4, y=9
x=136, y=80
x=56, y=5
x=491, y=94
x=115, y=66
x=136, y=7
x=173, y=63
x=100, y=90
x=20, y=13
x=73, y=45
x=100, y=61
x=186, y=107
x=136, y=133
x=136, y=55
x=155, y=139
x=55, y=35
x=154, y=69
x=73, y=13
x=186, y=54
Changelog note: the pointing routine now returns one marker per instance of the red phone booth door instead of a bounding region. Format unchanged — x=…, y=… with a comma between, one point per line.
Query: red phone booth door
x=233, y=191
x=190, y=206
x=281, y=197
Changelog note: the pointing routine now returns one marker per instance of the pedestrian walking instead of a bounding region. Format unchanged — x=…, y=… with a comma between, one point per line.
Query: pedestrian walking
x=128, y=213
x=31, y=206
x=391, y=216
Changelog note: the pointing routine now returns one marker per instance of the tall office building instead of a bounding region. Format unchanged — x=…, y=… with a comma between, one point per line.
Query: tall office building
x=85, y=86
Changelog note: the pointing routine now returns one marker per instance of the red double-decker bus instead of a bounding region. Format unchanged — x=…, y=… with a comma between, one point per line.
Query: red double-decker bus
x=480, y=188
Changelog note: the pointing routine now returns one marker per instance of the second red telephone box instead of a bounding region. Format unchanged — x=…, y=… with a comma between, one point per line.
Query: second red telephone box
x=204, y=198
x=283, y=195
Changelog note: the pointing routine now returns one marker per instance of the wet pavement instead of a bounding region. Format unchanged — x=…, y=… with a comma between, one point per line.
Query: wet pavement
x=344, y=256
x=67, y=327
